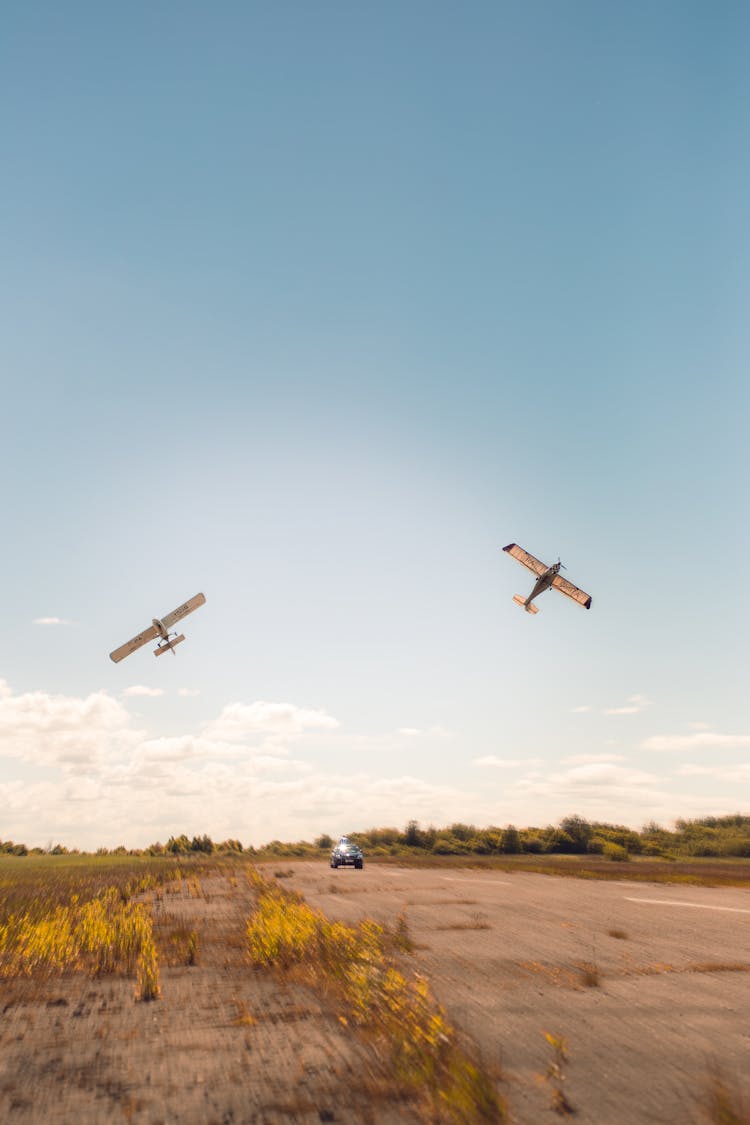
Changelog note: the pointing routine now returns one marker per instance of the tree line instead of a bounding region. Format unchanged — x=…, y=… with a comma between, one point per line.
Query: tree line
x=710, y=836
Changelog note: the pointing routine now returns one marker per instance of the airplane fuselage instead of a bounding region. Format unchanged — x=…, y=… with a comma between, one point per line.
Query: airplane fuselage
x=158, y=625
x=543, y=582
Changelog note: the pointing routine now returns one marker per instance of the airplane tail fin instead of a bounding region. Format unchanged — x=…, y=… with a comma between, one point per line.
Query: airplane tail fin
x=530, y=608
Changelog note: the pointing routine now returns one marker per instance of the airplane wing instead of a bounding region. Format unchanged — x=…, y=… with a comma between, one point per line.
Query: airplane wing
x=571, y=591
x=137, y=642
x=525, y=558
x=183, y=610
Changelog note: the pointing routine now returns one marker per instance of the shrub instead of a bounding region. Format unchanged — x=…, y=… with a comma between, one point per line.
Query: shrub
x=615, y=852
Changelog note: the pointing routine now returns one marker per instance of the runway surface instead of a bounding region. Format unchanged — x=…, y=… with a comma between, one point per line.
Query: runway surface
x=648, y=984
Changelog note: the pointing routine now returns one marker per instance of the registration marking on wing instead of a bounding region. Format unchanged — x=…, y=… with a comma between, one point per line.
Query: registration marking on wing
x=183, y=610
x=525, y=558
x=136, y=643
x=572, y=591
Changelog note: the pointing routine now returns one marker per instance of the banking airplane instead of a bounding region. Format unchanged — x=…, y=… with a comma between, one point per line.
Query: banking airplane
x=160, y=628
x=547, y=577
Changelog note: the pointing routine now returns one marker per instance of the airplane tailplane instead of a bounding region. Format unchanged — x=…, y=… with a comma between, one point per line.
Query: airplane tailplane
x=529, y=607
x=169, y=645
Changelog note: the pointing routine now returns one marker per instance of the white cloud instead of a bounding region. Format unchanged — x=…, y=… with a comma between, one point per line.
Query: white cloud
x=141, y=689
x=587, y=759
x=736, y=773
x=699, y=740
x=89, y=776
x=51, y=621
x=70, y=733
x=634, y=705
x=595, y=789
x=581, y=710
x=424, y=732
x=110, y=783
x=241, y=721
x=504, y=763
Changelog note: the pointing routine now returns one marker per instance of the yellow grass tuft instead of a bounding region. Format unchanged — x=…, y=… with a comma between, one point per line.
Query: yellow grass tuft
x=352, y=960
x=103, y=935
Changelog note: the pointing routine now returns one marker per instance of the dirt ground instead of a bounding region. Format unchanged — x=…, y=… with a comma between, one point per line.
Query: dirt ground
x=649, y=986
x=224, y=1043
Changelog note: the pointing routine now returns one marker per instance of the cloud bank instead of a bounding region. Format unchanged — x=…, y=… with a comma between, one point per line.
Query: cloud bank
x=86, y=772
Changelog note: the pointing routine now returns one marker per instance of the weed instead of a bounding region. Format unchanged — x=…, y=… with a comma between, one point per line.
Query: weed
x=193, y=948
x=590, y=976
x=244, y=1018
x=148, y=972
x=477, y=922
x=556, y=1074
x=194, y=887
x=284, y=874
x=723, y=1106
x=717, y=967
x=401, y=937
x=99, y=936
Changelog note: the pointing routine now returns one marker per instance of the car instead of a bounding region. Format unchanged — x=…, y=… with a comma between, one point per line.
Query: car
x=347, y=854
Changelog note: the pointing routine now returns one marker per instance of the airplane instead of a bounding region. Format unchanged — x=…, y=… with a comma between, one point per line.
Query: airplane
x=547, y=577
x=160, y=628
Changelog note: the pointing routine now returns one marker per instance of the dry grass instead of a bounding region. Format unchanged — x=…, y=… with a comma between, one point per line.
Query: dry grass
x=695, y=871
x=352, y=962
x=589, y=975
x=656, y=968
x=244, y=1018
x=400, y=936
x=717, y=967
x=561, y=976
x=476, y=922
x=104, y=935
x=721, y=1105
x=62, y=914
x=556, y=1075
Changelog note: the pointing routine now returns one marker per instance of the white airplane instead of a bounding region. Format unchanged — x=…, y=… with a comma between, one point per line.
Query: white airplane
x=160, y=628
x=548, y=577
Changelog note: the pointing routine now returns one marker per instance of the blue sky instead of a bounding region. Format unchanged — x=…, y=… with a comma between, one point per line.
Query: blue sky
x=314, y=308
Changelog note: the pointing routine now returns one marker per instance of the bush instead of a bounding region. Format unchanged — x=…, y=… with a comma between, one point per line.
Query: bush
x=448, y=845
x=615, y=852
x=578, y=830
x=558, y=841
